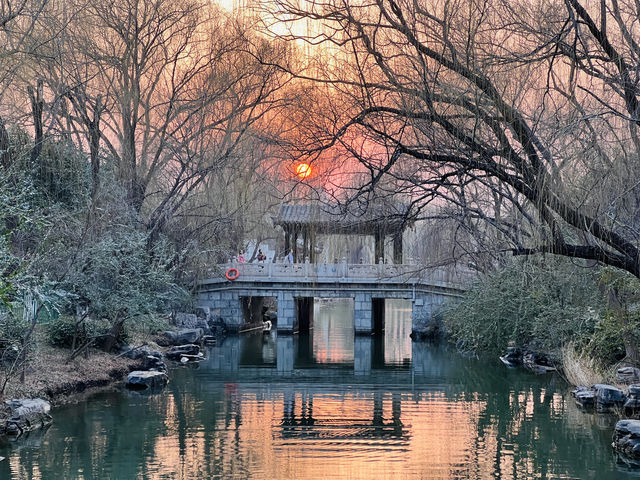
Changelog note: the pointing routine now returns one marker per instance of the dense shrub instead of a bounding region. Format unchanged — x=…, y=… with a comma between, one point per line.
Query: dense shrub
x=11, y=331
x=606, y=343
x=152, y=324
x=547, y=300
x=62, y=330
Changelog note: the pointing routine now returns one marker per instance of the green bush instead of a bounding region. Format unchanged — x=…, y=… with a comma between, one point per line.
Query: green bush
x=545, y=300
x=606, y=344
x=11, y=330
x=152, y=324
x=62, y=330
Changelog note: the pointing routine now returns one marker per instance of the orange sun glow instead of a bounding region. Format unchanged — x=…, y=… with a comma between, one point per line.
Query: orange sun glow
x=303, y=170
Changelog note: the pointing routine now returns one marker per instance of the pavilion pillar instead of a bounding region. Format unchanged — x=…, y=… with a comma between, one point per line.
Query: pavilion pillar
x=379, y=245
x=294, y=243
x=305, y=243
x=312, y=245
x=397, y=248
x=287, y=240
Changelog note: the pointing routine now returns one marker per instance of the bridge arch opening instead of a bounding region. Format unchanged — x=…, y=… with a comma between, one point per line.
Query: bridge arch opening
x=256, y=310
x=304, y=314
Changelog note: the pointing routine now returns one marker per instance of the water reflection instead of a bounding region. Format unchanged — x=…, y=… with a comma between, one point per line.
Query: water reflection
x=331, y=343
x=256, y=409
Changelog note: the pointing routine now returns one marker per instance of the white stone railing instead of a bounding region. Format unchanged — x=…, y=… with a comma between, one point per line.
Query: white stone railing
x=348, y=273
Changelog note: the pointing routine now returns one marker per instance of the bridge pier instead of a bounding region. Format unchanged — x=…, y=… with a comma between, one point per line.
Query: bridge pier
x=286, y=312
x=226, y=305
x=363, y=313
x=424, y=312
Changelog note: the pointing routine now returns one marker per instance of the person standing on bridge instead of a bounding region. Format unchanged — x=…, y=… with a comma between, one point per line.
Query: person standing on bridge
x=241, y=257
x=289, y=257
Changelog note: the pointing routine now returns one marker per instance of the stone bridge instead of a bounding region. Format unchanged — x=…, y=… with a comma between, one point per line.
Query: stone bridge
x=295, y=285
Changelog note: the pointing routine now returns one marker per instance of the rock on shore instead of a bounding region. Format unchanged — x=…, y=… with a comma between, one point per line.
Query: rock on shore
x=146, y=380
x=626, y=438
x=27, y=415
x=603, y=397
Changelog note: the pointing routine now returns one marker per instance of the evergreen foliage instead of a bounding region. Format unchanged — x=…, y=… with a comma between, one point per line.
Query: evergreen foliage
x=549, y=301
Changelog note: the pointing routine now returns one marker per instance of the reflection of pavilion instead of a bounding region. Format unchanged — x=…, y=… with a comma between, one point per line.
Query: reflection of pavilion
x=351, y=424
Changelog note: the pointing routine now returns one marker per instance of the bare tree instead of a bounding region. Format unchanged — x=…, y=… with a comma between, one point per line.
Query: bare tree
x=514, y=114
x=169, y=92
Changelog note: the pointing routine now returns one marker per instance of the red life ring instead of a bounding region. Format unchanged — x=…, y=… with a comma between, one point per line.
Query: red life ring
x=232, y=274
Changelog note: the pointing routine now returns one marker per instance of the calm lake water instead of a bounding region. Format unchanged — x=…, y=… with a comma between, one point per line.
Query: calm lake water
x=327, y=406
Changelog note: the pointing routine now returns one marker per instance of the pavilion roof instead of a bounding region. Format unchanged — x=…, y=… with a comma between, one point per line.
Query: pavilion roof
x=327, y=219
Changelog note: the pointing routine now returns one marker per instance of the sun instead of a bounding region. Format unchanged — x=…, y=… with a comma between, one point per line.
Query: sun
x=303, y=170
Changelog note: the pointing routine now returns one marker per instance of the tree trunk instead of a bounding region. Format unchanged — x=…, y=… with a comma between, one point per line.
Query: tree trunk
x=94, y=147
x=114, y=334
x=37, y=106
x=5, y=158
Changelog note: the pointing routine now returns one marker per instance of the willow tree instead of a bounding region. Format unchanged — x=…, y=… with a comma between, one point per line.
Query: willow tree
x=522, y=118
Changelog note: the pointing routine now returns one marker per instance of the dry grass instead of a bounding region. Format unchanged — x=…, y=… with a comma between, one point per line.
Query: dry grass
x=579, y=370
x=48, y=376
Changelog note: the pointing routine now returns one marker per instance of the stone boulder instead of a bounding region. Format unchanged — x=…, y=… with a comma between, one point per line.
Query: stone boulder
x=176, y=352
x=191, y=321
x=512, y=358
x=585, y=397
x=537, y=362
x=185, y=335
x=217, y=327
x=608, y=397
x=27, y=415
x=632, y=404
x=138, y=353
x=203, y=313
x=626, y=438
x=153, y=364
x=191, y=358
x=146, y=380
x=604, y=397
x=186, y=320
x=428, y=332
x=628, y=375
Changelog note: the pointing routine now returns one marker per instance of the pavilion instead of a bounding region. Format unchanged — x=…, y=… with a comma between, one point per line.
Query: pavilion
x=308, y=220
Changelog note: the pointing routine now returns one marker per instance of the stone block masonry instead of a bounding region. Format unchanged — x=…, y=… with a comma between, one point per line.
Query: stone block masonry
x=363, y=283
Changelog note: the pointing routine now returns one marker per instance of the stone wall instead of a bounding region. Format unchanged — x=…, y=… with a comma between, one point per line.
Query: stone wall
x=225, y=305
